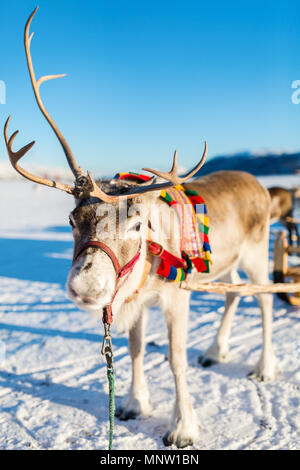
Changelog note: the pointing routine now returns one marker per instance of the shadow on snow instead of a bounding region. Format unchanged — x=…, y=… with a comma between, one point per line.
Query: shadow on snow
x=30, y=260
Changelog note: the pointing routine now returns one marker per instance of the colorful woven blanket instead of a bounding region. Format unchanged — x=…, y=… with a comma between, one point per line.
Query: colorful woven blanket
x=192, y=213
x=194, y=226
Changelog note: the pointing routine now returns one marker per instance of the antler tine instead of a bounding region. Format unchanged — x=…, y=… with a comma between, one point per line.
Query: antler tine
x=76, y=170
x=15, y=157
x=191, y=173
x=97, y=192
x=172, y=175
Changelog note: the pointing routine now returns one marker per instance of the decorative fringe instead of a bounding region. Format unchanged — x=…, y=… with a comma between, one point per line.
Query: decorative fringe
x=166, y=269
x=198, y=228
x=195, y=244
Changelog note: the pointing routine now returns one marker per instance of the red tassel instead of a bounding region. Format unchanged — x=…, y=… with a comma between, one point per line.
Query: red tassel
x=199, y=264
x=163, y=269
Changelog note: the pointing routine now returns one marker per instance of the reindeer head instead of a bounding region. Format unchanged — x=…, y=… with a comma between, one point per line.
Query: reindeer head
x=109, y=227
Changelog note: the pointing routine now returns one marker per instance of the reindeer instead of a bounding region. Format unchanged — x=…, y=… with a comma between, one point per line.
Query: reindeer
x=282, y=208
x=239, y=210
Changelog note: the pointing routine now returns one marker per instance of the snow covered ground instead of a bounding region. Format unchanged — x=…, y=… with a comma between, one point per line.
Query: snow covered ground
x=53, y=386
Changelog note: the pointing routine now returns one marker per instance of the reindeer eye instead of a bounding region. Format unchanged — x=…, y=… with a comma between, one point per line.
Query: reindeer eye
x=136, y=227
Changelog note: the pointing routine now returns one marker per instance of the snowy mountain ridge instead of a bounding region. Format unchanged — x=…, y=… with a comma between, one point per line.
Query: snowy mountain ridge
x=259, y=163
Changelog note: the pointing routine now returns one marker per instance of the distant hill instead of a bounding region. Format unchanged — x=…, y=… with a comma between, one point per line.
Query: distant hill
x=257, y=164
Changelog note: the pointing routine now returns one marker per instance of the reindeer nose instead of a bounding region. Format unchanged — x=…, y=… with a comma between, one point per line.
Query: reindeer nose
x=87, y=300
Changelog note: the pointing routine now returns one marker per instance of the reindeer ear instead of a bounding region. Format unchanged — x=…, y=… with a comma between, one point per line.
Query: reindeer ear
x=150, y=226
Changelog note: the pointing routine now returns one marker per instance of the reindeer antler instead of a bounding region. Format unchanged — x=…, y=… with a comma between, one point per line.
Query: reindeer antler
x=132, y=192
x=76, y=170
x=172, y=178
x=15, y=157
x=172, y=175
x=83, y=185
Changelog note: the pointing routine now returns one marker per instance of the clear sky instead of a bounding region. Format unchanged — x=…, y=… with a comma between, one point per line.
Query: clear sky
x=146, y=77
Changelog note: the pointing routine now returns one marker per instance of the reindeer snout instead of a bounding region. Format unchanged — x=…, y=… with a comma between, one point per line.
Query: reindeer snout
x=84, y=299
x=90, y=289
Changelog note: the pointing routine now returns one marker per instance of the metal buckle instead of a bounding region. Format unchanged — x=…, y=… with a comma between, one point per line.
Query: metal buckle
x=106, y=349
x=161, y=249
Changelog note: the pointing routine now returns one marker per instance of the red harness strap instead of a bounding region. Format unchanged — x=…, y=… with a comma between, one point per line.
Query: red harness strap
x=157, y=250
x=153, y=247
x=102, y=246
x=120, y=272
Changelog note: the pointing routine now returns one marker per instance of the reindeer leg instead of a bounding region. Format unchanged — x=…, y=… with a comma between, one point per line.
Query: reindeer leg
x=256, y=268
x=294, y=235
x=138, y=400
x=297, y=235
x=183, y=427
x=291, y=228
x=218, y=351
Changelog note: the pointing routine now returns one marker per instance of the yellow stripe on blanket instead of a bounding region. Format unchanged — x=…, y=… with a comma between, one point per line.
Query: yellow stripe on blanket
x=178, y=277
x=204, y=219
x=207, y=256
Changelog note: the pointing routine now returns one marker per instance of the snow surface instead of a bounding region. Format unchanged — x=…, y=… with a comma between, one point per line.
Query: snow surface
x=53, y=385
x=7, y=172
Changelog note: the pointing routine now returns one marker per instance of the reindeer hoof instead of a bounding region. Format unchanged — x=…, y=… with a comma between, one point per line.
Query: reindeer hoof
x=180, y=443
x=206, y=361
x=265, y=372
x=125, y=415
x=253, y=375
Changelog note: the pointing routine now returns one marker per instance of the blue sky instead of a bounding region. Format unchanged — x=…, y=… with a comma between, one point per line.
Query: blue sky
x=146, y=77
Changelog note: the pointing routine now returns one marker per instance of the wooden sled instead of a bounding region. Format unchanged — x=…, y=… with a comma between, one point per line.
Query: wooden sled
x=284, y=273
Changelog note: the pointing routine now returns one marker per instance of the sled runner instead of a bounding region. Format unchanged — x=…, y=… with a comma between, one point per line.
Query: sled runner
x=284, y=273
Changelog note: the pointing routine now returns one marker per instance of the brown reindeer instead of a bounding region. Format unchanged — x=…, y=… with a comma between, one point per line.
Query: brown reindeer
x=282, y=209
x=113, y=267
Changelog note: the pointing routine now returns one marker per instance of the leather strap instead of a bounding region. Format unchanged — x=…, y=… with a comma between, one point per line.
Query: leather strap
x=154, y=249
x=147, y=268
x=103, y=247
x=107, y=315
x=157, y=250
